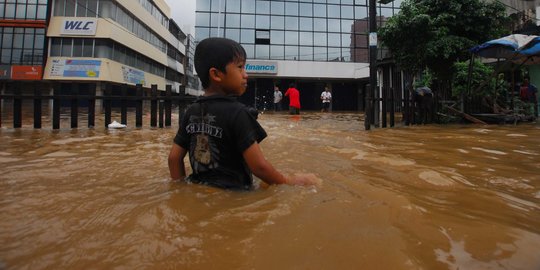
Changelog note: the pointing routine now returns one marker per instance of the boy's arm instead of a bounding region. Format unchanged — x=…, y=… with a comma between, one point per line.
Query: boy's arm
x=266, y=172
x=176, y=162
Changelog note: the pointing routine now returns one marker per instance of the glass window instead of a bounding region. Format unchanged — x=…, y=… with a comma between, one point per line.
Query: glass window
x=77, y=47
x=347, y=2
x=334, y=54
x=250, y=51
x=214, y=32
x=88, y=47
x=203, y=5
x=29, y=38
x=291, y=52
x=291, y=37
x=306, y=9
x=66, y=47
x=233, y=5
x=232, y=20
x=333, y=11
x=319, y=54
x=262, y=51
x=10, y=11
x=263, y=7
x=334, y=25
x=306, y=38
x=39, y=40
x=347, y=12
x=263, y=21
x=56, y=46
x=16, y=56
x=319, y=39
x=70, y=8
x=306, y=24
x=248, y=6
x=92, y=8
x=41, y=12
x=216, y=5
x=277, y=8
x=346, y=54
x=247, y=36
x=217, y=19
x=203, y=19
x=18, y=37
x=291, y=23
x=202, y=33
x=277, y=37
x=277, y=22
x=30, y=12
x=233, y=34
x=248, y=21
x=333, y=1
x=346, y=40
x=346, y=26
x=360, y=12
x=291, y=8
x=306, y=53
x=21, y=11
x=277, y=52
x=334, y=40
x=103, y=49
x=319, y=10
x=386, y=12
x=319, y=24
x=81, y=8
x=360, y=2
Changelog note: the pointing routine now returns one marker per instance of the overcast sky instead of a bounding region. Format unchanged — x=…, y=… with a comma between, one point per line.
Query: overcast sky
x=183, y=13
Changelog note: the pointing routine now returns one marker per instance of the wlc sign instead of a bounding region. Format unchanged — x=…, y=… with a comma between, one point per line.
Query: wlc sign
x=82, y=27
x=262, y=67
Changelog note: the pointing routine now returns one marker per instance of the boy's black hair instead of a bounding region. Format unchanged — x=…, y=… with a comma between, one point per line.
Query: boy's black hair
x=216, y=53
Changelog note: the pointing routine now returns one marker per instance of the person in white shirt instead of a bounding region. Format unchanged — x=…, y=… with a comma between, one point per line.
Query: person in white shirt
x=326, y=98
x=277, y=99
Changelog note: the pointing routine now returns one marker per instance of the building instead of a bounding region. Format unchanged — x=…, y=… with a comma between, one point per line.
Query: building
x=312, y=43
x=95, y=44
x=22, y=42
x=85, y=46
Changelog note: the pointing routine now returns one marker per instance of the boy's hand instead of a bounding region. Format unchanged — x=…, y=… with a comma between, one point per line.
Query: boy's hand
x=305, y=179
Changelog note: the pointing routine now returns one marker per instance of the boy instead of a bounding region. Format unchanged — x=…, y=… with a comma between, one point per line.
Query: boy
x=222, y=137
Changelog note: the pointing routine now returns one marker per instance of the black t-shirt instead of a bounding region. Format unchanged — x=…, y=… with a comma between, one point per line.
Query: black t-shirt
x=216, y=130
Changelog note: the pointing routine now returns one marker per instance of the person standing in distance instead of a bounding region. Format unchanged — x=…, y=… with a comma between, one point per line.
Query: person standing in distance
x=277, y=99
x=326, y=98
x=220, y=135
x=294, y=99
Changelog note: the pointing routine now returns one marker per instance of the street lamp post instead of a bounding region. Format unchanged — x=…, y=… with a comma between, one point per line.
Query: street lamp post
x=372, y=64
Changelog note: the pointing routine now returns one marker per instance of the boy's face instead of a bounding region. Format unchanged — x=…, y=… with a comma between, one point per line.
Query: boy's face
x=235, y=79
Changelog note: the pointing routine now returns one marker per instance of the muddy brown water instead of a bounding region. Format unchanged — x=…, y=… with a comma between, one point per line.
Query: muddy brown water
x=420, y=197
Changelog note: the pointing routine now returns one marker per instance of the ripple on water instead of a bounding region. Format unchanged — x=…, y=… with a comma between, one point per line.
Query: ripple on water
x=77, y=140
x=490, y=151
x=435, y=178
x=60, y=154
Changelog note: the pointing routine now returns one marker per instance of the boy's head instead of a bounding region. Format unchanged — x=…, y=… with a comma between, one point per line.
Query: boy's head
x=216, y=53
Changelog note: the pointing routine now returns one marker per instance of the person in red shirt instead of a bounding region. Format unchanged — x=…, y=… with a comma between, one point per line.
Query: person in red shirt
x=294, y=99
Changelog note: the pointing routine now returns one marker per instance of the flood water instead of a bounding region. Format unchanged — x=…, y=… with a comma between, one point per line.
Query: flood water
x=420, y=197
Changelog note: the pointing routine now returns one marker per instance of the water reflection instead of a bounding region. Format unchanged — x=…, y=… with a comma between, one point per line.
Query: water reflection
x=422, y=197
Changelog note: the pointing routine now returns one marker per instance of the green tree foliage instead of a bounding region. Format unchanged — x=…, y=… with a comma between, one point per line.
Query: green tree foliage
x=479, y=86
x=437, y=33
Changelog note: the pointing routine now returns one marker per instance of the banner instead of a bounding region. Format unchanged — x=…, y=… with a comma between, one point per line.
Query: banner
x=75, y=68
x=26, y=72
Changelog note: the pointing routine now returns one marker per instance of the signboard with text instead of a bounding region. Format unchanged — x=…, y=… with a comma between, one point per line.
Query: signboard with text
x=262, y=67
x=75, y=68
x=26, y=72
x=133, y=75
x=79, y=26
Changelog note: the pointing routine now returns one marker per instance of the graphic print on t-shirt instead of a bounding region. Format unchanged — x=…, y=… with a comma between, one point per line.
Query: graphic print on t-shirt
x=205, y=150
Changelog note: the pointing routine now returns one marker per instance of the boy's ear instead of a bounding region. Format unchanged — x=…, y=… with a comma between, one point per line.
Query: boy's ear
x=215, y=74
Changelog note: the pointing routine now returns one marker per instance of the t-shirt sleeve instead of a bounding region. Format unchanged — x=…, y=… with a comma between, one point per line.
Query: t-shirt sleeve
x=182, y=137
x=247, y=130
